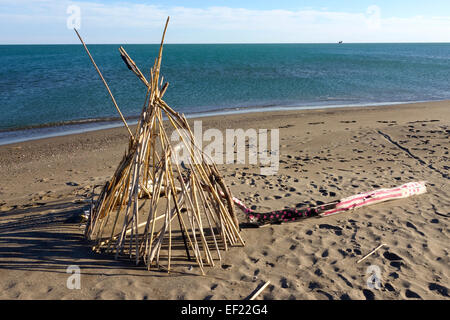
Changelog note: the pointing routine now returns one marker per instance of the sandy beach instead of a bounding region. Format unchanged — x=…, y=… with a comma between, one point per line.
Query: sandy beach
x=325, y=155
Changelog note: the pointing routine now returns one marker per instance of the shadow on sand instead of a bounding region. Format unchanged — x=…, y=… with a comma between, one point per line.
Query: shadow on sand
x=46, y=238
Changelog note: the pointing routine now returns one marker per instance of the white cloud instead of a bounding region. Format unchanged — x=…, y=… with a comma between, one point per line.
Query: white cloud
x=42, y=21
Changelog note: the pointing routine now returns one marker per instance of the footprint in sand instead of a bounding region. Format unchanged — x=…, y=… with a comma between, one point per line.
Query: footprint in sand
x=368, y=294
x=254, y=260
x=391, y=256
x=314, y=123
x=348, y=283
x=326, y=294
x=343, y=253
x=410, y=225
x=337, y=230
x=389, y=287
x=314, y=285
x=284, y=283
x=412, y=295
x=440, y=289
x=394, y=275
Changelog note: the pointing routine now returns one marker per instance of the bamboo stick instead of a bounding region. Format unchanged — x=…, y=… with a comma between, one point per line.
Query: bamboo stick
x=106, y=85
x=206, y=204
x=132, y=65
x=170, y=228
x=371, y=252
x=257, y=293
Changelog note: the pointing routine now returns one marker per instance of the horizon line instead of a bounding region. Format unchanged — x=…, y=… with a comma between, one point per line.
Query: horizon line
x=197, y=43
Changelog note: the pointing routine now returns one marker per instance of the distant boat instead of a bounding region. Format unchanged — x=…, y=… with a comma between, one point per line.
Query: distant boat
x=340, y=42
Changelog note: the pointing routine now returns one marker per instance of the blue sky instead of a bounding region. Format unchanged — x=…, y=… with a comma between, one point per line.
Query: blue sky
x=399, y=8
x=225, y=21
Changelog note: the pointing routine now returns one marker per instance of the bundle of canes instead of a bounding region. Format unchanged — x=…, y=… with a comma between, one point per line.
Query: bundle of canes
x=152, y=202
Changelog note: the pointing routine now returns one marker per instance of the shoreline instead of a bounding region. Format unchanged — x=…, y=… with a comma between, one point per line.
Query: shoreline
x=325, y=155
x=17, y=135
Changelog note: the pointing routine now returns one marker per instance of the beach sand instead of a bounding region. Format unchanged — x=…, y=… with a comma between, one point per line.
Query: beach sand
x=325, y=155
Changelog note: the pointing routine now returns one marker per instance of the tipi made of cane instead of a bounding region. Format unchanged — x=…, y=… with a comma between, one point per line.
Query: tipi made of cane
x=157, y=209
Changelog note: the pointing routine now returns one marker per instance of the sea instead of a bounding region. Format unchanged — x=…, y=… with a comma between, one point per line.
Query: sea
x=51, y=90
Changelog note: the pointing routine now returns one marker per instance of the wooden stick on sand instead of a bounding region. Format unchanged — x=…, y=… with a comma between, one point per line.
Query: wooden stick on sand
x=370, y=253
x=257, y=293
